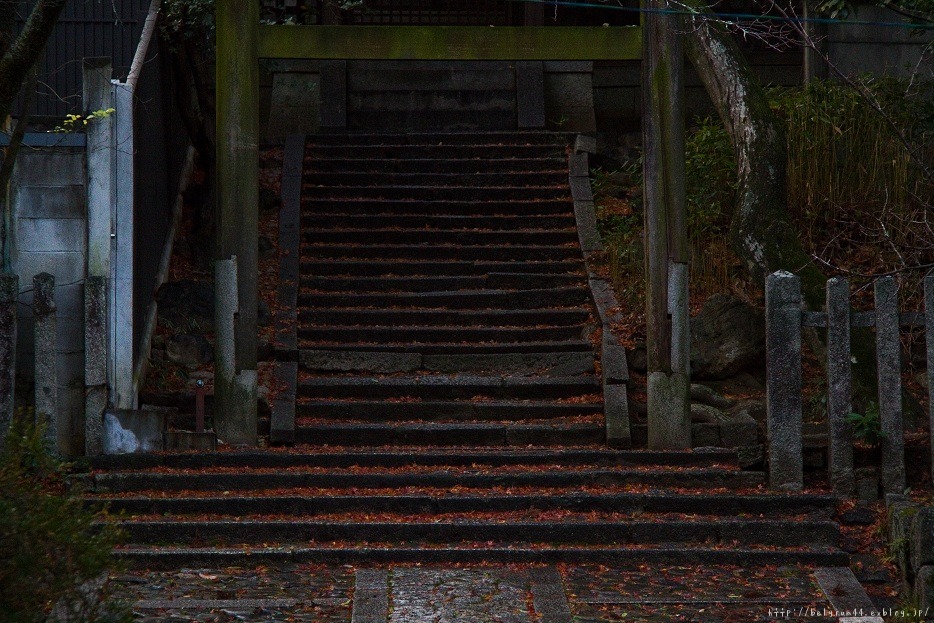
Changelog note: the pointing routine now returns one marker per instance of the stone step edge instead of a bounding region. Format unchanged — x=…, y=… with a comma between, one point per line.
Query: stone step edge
x=781, y=532
x=697, y=503
x=421, y=456
x=168, y=557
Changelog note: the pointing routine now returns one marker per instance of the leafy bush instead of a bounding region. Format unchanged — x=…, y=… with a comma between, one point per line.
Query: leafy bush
x=867, y=427
x=54, y=557
x=710, y=179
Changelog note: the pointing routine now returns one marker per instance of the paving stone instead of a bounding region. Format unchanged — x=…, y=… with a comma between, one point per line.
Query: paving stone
x=458, y=596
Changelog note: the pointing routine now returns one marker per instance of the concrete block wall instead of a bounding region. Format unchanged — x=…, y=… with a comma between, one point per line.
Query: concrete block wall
x=882, y=50
x=49, y=234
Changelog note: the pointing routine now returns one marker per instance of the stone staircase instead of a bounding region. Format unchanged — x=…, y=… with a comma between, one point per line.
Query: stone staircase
x=447, y=407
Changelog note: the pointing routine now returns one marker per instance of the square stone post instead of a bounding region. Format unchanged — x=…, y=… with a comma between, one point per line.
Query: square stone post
x=234, y=421
x=929, y=333
x=9, y=293
x=43, y=309
x=839, y=387
x=889, y=368
x=95, y=363
x=783, y=384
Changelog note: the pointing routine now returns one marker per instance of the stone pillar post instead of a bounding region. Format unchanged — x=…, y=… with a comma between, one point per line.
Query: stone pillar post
x=234, y=426
x=783, y=386
x=929, y=333
x=43, y=309
x=889, y=369
x=839, y=387
x=9, y=292
x=95, y=363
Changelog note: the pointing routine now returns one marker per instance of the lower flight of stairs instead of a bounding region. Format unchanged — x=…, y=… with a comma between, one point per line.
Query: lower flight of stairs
x=417, y=504
x=447, y=405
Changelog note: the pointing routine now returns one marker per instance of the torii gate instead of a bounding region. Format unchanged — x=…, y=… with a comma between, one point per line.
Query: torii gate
x=242, y=41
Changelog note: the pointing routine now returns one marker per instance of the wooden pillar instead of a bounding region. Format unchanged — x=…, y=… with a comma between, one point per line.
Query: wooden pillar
x=330, y=12
x=666, y=256
x=237, y=204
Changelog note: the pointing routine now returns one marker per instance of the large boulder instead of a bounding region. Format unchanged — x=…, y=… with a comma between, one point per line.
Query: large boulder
x=727, y=337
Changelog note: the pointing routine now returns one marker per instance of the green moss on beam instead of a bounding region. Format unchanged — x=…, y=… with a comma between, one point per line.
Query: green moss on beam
x=463, y=43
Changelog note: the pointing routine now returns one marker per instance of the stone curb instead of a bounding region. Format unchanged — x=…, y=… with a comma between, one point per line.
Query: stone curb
x=615, y=370
x=846, y=595
x=282, y=422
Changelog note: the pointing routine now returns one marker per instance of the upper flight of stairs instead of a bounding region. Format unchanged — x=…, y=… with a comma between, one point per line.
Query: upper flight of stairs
x=447, y=406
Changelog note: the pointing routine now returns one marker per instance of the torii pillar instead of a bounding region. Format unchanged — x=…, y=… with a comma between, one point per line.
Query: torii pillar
x=237, y=23
x=666, y=241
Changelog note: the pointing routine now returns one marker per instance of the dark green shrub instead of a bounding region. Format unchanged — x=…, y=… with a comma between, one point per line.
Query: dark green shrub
x=53, y=553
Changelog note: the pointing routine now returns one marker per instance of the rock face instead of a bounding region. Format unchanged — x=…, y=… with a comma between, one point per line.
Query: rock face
x=727, y=336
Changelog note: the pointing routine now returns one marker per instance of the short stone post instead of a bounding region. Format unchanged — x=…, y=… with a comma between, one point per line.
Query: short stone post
x=95, y=363
x=783, y=385
x=43, y=309
x=889, y=367
x=9, y=293
x=929, y=333
x=234, y=426
x=839, y=387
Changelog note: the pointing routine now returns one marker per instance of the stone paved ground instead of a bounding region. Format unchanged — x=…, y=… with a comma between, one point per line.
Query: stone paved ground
x=299, y=593
x=663, y=594
x=637, y=594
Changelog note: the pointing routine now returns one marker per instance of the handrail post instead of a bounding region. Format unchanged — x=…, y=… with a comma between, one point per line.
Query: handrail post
x=783, y=386
x=889, y=368
x=839, y=387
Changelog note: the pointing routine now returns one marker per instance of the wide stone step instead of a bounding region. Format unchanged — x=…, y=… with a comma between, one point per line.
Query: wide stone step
x=460, y=299
x=434, y=165
x=447, y=387
x=425, y=236
x=207, y=557
x=439, y=138
x=441, y=252
x=436, y=335
x=248, y=480
x=411, y=531
x=377, y=178
x=415, y=268
x=448, y=410
x=305, y=503
x=438, y=193
x=430, y=318
x=476, y=149
x=493, y=281
x=383, y=456
x=435, y=222
x=533, y=349
x=453, y=207
x=451, y=434
x=499, y=114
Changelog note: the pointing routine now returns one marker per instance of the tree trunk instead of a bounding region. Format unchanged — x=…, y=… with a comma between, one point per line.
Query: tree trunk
x=25, y=49
x=760, y=233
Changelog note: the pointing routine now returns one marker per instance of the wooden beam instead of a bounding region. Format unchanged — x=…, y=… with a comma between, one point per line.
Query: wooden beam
x=451, y=43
